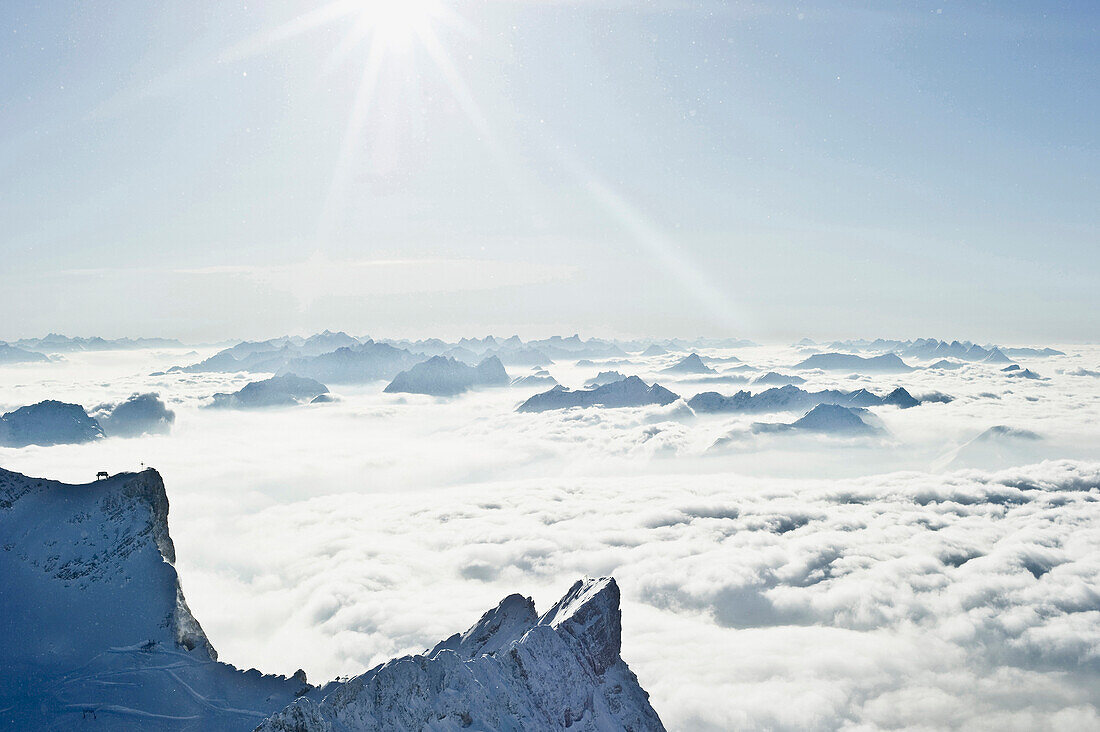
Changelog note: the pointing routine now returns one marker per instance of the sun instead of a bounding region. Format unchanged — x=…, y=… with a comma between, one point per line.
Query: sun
x=395, y=24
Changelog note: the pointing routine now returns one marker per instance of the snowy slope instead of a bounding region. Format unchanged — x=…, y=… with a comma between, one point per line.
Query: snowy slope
x=511, y=671
x=94, y=622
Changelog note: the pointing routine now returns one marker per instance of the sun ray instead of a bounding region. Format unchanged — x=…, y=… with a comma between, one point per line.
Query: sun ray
x=334, y=201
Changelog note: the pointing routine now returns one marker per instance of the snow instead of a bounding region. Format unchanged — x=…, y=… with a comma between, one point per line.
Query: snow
x=94, y=618
x=512, y=670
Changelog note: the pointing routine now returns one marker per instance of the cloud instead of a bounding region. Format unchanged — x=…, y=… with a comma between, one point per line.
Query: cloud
x=807, y=584
x=319, y=276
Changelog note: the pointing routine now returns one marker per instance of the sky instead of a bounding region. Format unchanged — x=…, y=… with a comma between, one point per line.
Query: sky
x=210, y=170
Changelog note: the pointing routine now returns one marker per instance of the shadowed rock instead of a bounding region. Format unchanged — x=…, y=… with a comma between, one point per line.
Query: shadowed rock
x=511, y=670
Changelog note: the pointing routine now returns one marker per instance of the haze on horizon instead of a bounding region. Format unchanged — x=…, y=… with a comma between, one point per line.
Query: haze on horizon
x=211, y=170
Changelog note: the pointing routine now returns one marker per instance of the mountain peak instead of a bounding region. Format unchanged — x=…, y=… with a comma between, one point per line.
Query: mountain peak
x=560, y=670
x=496, y=629
x=589, y=613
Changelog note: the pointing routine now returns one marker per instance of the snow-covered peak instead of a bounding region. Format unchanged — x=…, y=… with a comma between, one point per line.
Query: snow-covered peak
x=589, y=613
x=499, y=627
x=94, y=621
x=510, y=671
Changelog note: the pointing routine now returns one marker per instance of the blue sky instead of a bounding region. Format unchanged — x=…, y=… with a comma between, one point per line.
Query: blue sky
x=615, y=168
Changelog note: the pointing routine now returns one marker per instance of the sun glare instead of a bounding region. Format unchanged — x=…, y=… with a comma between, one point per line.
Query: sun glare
x=396, y=24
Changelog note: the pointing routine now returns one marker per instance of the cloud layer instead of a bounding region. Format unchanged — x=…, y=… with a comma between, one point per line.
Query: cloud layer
x=877, y=593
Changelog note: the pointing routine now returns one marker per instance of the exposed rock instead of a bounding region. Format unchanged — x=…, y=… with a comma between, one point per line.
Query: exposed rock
x=511, y=671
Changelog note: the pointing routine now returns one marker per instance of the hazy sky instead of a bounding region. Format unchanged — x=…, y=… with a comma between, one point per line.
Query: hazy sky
x=207, y=169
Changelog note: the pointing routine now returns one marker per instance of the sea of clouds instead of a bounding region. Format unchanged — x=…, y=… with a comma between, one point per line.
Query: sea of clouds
x=786, y=582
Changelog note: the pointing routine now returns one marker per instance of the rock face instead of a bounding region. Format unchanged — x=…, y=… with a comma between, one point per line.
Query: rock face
x=48, y=423
x=278, y=391
x=444, y=376
x=94, y=620
x=630, y=392
x=888, y=362
x=691, y=364
x=141, y=414
x=512, y=670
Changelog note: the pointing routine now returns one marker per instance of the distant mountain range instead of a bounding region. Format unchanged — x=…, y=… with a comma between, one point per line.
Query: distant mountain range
x=15, y=354
x=629, y=392
x=55, y=343
x=830, y=419
x=791, y=399
x=287, y=390
x=444, y=376
x=888, y=362
x=52, y=422
x=931, y=348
